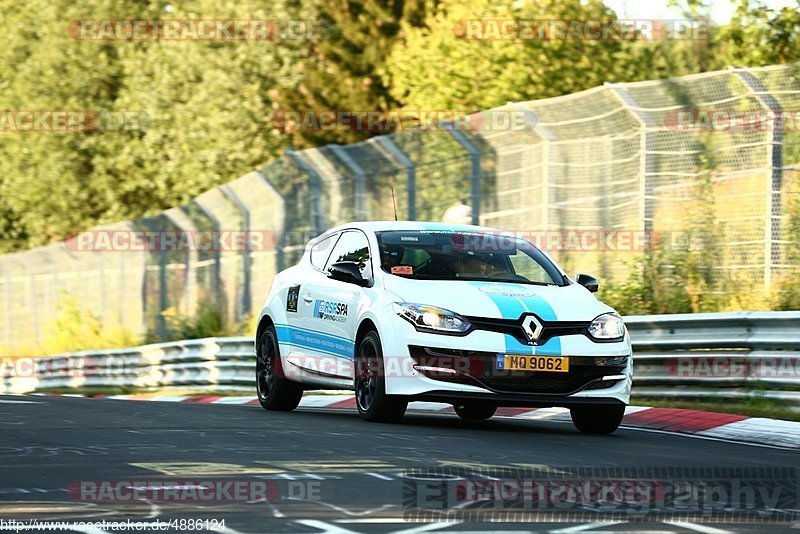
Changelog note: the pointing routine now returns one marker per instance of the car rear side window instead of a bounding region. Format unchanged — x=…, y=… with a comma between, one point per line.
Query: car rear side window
x=352, y=246
x=321, y=251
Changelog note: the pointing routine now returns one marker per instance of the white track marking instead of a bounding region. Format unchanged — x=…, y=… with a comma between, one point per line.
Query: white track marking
x=426, y=528
x=234, y=400
x=585, y=527
x=226, y=530
x=373, y=521
x=326, y=528
x=379, y=476
x=708, y=438
x=697, y=528
x=347, y=512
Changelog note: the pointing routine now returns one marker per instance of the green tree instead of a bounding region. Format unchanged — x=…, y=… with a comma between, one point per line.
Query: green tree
x=45, y=177
x=438, y=67
x=208, y=104
x=758, y=35
x=344, y=68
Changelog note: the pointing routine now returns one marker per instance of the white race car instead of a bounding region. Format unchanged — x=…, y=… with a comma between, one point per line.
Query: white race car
x=464, y=315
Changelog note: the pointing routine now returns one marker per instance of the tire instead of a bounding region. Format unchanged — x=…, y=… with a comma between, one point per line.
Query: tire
x=275, y=392
x=597, y=419
x=475, y=412
x=370, y=384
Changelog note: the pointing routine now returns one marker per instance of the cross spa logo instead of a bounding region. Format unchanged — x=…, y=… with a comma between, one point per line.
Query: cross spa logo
x=330, y=310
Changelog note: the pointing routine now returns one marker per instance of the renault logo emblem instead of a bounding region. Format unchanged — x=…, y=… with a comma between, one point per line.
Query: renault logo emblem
x=532, y=328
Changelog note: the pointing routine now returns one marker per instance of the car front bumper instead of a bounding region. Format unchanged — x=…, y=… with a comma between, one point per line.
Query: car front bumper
x=417, y=363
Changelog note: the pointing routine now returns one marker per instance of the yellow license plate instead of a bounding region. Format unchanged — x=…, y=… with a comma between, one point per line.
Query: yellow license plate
x=524, y=362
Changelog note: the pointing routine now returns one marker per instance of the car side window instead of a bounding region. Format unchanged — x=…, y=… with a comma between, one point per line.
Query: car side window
x=352, y=246
x=321, y=251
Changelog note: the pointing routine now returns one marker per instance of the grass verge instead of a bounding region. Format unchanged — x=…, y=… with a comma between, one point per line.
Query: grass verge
x=752, y=407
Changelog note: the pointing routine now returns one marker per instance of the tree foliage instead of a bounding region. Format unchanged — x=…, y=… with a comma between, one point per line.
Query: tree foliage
x=209, y=104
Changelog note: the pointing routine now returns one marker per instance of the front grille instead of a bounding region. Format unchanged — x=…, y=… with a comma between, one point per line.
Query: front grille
x=513, y=327
x=479, y=368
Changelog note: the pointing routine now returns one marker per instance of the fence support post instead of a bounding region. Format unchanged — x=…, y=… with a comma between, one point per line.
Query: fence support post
x=360, y=210
x=163, y=303
x=772, y=230
x=392, y=151
x=245, y=305
x=547, y=137
x=647, y=159
x=315, y=189
x=280, y=218
x=475, y=172
x=7, y=309
x=184, y=224
x=216, y=290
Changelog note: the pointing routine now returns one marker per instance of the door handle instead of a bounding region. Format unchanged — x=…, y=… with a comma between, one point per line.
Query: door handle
x=307, y=298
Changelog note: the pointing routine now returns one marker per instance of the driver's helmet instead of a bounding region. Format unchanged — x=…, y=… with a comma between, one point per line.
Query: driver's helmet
x=392, y=254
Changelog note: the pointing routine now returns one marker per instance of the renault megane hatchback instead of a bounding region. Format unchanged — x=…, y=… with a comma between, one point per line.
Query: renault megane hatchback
x=469, y=316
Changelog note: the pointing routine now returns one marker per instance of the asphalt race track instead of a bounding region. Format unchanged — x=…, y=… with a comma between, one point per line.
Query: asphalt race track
x=327, y=471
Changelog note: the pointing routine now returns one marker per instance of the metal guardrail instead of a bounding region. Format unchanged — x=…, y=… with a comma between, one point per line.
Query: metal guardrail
x=723, y=355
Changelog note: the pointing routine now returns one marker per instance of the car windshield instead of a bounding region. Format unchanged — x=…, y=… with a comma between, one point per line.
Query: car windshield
x=453, y=255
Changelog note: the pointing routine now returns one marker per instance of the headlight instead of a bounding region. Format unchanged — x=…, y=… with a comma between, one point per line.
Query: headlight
x=429, y=318
x=607, y=327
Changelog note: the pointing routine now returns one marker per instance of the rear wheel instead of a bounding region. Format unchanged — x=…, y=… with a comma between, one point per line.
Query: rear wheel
x=597, y=419
x=475, y=412
x=370, y=384
x=275, y=391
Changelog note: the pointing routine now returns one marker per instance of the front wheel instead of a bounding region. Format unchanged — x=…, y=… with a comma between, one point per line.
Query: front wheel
x=275, y=391
x=597, y=419
x=475, y=412
x=372, y=401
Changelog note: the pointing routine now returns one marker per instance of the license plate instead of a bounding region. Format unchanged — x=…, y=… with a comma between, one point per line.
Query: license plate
x=525, y=362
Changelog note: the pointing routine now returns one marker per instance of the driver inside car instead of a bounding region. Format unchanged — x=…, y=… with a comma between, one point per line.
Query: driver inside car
x=391, y=256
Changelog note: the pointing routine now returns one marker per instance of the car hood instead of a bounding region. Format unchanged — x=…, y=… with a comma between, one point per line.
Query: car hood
x=500, y=300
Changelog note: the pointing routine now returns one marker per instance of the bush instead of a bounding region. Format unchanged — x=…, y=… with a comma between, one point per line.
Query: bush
x=76, y=328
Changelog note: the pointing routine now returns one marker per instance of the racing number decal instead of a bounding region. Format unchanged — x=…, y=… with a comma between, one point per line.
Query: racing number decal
x=292, y=298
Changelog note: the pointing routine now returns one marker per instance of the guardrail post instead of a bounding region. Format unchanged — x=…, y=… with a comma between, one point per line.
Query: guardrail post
x=360, y=210
x=317, y=220
x=647, y=159
x=385, y=144
x=245, y=305
x=772, y=230
x=475, y=172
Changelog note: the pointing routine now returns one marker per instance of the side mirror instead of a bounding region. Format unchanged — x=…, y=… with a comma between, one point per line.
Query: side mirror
x=589, y=282
x=347, y=271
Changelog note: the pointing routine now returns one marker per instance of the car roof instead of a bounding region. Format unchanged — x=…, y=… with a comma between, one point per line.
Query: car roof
x=385, y=226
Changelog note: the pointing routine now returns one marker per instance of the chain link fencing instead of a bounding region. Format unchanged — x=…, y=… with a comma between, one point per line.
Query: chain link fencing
x=597, y=178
